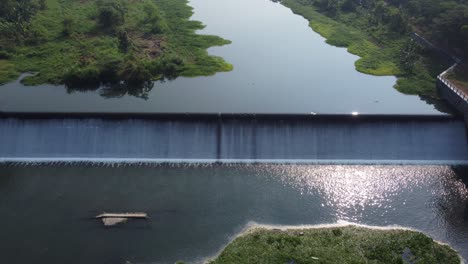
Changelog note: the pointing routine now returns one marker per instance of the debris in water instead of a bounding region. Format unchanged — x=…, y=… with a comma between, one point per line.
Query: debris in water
x=112, y=219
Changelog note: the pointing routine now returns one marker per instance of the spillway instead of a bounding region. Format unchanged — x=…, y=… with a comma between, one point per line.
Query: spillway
x=234, y=138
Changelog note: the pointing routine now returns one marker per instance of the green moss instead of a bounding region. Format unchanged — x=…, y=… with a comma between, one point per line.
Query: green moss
x=379, y=52
x=70, y=44
x=336, y=245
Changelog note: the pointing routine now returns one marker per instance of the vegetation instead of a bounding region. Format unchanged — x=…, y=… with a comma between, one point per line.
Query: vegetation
x=336, y=245
x=379, y=32
x=459, y=77
x=118, y=43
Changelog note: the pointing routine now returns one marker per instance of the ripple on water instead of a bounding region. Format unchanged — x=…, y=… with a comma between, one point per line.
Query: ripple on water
x=355, y=192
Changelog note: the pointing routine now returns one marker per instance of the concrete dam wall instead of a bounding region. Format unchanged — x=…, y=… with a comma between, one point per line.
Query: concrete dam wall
x=233, y=138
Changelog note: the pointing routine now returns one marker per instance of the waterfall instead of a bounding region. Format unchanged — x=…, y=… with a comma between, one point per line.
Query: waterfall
x=252, y=139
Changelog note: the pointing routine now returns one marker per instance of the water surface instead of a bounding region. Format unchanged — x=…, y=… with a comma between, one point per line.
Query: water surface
x=280, y=66
x=195, y=210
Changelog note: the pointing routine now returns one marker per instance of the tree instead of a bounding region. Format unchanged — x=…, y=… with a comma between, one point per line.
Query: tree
x=67, y=26
x=19, y=13
x=409, y=56
x=124, y=41
x=111, y=13
x=152, y=21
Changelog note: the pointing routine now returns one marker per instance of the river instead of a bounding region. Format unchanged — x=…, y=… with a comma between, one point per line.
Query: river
x=195, y=209
x=280, y=66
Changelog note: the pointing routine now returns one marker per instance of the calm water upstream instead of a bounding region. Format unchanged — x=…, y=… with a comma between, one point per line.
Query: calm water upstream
x=47, y=211
x=281, y=66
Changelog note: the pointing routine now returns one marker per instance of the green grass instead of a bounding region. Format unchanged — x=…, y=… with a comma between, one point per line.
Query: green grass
x=186, y=43
x=379, y=50
x=89, y=49
x=340, y=245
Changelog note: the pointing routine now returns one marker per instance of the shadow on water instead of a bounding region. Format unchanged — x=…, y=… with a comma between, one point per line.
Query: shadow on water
x=439, y=104
x=116, y=90
x=461, y=173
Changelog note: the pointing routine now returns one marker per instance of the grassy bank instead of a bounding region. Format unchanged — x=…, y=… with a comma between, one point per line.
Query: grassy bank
x=94, y=41
x=336, y=245
x=380, y=50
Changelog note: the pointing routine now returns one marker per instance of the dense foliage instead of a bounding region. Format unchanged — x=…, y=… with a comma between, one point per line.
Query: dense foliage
x=380, y=33
x=87, y=44
x=444, y=22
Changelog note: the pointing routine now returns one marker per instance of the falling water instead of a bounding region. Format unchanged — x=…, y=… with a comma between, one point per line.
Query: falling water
x=334, y=140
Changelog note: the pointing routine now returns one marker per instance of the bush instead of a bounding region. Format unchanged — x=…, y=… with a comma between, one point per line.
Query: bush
x=87, y=76
x=135, y=72
x=67, y=24
x=152, y=21
x=109, y=72
x=111, y=13
x=36, y=35
x=42, y=4
x=171, y=66
x=5, y=55
x=124, y=41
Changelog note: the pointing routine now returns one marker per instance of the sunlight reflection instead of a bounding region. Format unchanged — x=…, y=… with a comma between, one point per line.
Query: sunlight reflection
x=352, y=190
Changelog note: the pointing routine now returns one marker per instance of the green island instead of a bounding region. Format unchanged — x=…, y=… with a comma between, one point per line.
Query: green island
x=379, y=31
x=349, y=244
x=93, y=42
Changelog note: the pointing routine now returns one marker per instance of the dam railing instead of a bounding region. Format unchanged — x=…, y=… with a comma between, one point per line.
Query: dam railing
x=450, y=92
x=449, y=85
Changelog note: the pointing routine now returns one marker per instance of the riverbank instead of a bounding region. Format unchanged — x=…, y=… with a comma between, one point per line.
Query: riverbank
x=81, y=43
x=335, y=244
x=380, y=51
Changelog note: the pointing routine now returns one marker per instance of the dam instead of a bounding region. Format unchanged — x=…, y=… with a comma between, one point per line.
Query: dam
x=233, y=138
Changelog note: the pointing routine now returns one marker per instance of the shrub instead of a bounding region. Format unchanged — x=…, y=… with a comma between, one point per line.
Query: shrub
x=67, y=24
x=124, y=41
x=134, y=72
x=152, y=21
x=111, y=13
x=86, y=76
x=5, y=55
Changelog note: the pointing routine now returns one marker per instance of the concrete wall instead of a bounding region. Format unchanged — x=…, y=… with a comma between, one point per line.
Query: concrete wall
x=449, y=92
x=452, y=94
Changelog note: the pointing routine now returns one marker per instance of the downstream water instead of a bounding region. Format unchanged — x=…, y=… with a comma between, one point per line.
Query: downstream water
x=280, y=66
x=195, y=210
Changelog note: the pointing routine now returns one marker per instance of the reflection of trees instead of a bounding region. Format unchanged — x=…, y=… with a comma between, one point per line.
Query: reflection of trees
x=116, y=90
x=122, y=89
x=439, y=104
